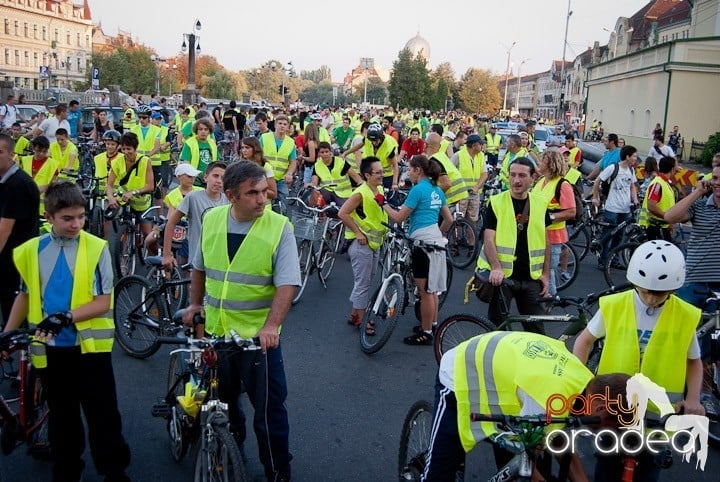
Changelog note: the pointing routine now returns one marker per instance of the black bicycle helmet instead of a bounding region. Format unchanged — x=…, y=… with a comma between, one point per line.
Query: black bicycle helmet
x=111, y=135
x=374, y=132
x=111, y=213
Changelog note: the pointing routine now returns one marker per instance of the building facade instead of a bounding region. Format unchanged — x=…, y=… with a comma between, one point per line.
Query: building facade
x=45, y=43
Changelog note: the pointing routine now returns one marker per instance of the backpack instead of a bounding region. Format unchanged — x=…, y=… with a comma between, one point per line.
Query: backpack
x=578, y=199
x=605, y=185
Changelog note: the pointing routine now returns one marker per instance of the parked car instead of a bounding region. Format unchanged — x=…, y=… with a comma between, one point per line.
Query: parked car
x=114, y=114
x=29, y=110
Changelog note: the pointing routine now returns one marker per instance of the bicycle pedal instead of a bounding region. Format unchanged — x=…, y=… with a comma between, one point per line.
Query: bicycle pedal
x=161, y=410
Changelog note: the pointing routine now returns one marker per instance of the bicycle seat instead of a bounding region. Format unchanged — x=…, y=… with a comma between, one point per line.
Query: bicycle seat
x=154, y=260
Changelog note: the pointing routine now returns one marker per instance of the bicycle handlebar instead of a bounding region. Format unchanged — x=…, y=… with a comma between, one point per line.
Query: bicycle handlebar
x=12, y=338
x=414, y=242
x=332, y=205
x=565, y=301
x=537, y=420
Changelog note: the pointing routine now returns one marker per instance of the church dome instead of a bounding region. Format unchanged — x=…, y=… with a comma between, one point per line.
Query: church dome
x=418, y=45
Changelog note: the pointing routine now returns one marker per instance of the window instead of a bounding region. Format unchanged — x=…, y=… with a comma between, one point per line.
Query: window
x=27, y=59
x=632, y=122
x=646, y=127
x=7, y=27
x=87, y=41
x=79, y=64
x=78, y=40
x=17, y=57
x=44, y=33
x=25, y=29
x=35, y=32
x=68, y=37
x=17, y=28
x=35, y=59
x=7, y=56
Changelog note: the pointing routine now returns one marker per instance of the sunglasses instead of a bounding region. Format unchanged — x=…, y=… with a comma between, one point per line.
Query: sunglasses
x=143, y=117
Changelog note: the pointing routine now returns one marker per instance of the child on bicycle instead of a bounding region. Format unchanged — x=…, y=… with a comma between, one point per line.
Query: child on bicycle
x=66, y=294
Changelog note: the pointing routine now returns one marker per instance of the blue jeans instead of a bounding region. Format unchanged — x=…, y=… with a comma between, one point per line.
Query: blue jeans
x=610, y=241
x=555, y=250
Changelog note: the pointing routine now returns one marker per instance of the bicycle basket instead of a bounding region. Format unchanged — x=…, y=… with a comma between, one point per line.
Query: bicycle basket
x=304, y=224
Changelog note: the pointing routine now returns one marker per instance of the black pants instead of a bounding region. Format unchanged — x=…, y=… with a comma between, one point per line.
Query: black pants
x=74, y=381
x=9, y=284
x=657, y=232
x=525, y=294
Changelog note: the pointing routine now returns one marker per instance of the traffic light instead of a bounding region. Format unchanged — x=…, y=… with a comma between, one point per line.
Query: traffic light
x=280, y=89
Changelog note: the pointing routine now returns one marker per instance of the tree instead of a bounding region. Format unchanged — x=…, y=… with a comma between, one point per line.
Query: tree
x=376, y=91
x=478, y=92
x=444, y=85
x=131, y=69
x=317, y=75
x=409, y=84
x=219, y=85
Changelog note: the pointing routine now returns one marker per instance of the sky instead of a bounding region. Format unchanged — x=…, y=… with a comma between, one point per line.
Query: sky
x=467, y=33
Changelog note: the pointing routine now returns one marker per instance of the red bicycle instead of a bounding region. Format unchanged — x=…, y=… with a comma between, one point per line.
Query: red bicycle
x=29, y=422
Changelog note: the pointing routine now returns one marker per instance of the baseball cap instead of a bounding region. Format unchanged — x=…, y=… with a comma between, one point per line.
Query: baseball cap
x=156, y=115
x=315, y=116
x=450, y=135
x=564, y=150
x=493, y=126
x=186, y=169
x=474, y=139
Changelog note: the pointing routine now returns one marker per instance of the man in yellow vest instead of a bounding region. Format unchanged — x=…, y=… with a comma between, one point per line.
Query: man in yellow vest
x=333, y=175
x=250, y=294
x=162, y=172
x=66, y=296
x=64, y=151
x=279, y=150
x=507, y=373
x=514, y=151
x=129, y=118
x=516, y=246
x=384, y=147
x=450, y=180
x=494, y=141
x=649, y=330
x=659, y=197
x=470, y=161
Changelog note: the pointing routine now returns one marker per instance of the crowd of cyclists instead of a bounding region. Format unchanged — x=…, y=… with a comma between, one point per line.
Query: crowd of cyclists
x=381, y=166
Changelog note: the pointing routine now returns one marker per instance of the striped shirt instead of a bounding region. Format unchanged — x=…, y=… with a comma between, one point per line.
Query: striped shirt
x=702, y=262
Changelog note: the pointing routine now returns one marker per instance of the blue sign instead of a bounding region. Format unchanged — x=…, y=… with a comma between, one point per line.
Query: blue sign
x=44, y=72
x=96, y=78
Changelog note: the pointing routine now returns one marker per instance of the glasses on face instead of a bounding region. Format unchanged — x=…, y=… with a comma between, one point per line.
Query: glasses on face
x=143, y=117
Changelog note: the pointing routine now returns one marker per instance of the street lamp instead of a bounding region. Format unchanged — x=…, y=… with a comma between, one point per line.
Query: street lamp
x=517, y=101
x=191, y=45
x=562, y=68
x=157, y=61
x=507, y=75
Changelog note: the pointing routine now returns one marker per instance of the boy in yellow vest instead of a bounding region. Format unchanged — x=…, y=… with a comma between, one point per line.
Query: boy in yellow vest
x=66, y=294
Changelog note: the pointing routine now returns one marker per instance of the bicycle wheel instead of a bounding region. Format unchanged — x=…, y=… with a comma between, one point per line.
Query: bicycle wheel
x=617, y=262
x=384, y=320
x=458, y=328
x=97, y=221
x=123, y=253
x=39, y=442
x=415, y=441
x=305, y=254
x=219, y=460
x=569, y=260
x=594, y=357
x=462, y=243
x=442, y=296
x=138, y=316
x=175, y=296
x=579, y=240
x=178, y=436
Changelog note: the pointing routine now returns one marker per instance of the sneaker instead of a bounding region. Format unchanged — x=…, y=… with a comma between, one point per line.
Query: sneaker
x=417, y=329
x=419, y=339
x=565, y=277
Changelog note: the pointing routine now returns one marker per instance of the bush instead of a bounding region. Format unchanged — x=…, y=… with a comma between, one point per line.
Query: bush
x=712, y=147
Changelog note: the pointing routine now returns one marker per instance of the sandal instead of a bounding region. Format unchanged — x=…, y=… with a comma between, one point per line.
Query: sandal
x=419, y=339
x=417, y=329
x=354, y=320
x=370, y=328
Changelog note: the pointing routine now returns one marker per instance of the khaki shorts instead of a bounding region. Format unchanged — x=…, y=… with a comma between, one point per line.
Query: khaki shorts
x=470, y=207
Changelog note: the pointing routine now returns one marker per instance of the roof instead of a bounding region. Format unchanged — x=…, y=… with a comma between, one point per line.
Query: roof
x=664, y=12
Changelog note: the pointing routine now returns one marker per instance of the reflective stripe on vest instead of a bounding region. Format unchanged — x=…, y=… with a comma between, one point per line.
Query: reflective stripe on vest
x=667, y=200
x=471, y=169
x=493, y=143
x=239, y=291
x=506, y=234
x=548, y=193
x=342, y=187
x=194, y=144
x=279, y=159
x=95, y=335
x=457, y=190
x=63, y=156
x=135, y=182
x=665, y=358
x=372, y=224
x=383, y=151
x=147, y=143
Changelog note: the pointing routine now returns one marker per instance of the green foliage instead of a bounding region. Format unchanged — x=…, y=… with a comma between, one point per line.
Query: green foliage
x=478, y=92
x=318, y=75
x=131, y=69
x=712, y=146
x=409, y=84
x=376, y=91
x=219, y=85
x=322, y=93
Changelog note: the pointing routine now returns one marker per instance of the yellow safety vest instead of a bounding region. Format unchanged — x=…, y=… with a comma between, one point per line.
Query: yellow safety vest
x=147, y=142
x=101, y=169
x=389, y=145
x=175, y=197
x=457, y=190
x=505, y=169
x=573, y=155
x=194, y=144
x=548, y=193
x=342, y=186
x=323, y=135
x=136, y=181
x=471, y=169
x=164, y=155
x=506, y=234
x=128, y=123
x=95, y=335
x=44, y=176
x=239, y=291
x=21, y=144
x=63, y=156
x=279, y=159
x=665, y=356
x=444, y=143
x=573, y=175
x=493, y=143
x=490, y=368
x=372, y=224
x=666, y=202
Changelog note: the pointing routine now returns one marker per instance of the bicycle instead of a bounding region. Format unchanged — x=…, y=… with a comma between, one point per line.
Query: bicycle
x=461, y=327
x=463, y=240
x=129, y=240
x=710, y=327
x=29, y=424
x=320, y=238
x=193, y=410
x=228, y=151
x=95, y=202
x=397, y=291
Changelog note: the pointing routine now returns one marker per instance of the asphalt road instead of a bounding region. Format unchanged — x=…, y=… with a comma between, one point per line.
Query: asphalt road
x=346, y=408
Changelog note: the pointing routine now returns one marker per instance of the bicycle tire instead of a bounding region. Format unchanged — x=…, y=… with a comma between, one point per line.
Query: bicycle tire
x=385, y=319
x=97, y=222
x=442, y=296
x=711, y=400
x=579, y=239
x=415, y=441
x=458, y=328
x=223, y=462
x=179, y=442
x=135, y=315
x=176, y=297
x=617, y=262
x=123, y=253
x=331, y=247
x=462, y=250
x=306, y=257
x=593, y=360
x=573, y=268
x=38, y=411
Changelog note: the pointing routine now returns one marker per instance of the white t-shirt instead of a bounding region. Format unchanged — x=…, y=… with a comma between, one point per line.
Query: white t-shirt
x=619, y=199
x=646, y=321
x=665, y=151
x=50, y=125
x=10, y=112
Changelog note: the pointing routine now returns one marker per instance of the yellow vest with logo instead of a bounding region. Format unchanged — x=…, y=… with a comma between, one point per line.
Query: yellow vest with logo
x=342, y=186
x=95, y=335
x=43, y=177
x=63, y=156
x=665, y=357
x=147, y=142
x=471, y=169
x=506, y=234
x=388, y=146
x=493, y=143
x=457, y=190
x=548, y=193
x=239, y=291
x=372, y=224
x=666, y=202
x=194, y=144
x=279, y=159
x=136, y=181
x=489, y=369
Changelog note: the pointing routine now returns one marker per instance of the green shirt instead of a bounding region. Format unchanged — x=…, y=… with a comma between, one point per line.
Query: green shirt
x=343, y=138
x=205, y=155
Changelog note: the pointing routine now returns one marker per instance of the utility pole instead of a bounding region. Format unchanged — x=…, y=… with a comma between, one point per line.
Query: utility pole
x=507, y=75
x=562, y=68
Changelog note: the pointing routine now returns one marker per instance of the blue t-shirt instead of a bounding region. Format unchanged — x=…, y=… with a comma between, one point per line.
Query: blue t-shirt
x=73, y=118
x=610, y=158
x=425, y=200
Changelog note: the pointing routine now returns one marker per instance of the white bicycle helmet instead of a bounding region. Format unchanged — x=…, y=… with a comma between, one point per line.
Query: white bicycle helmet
x=143, y=110
x=657, y=266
